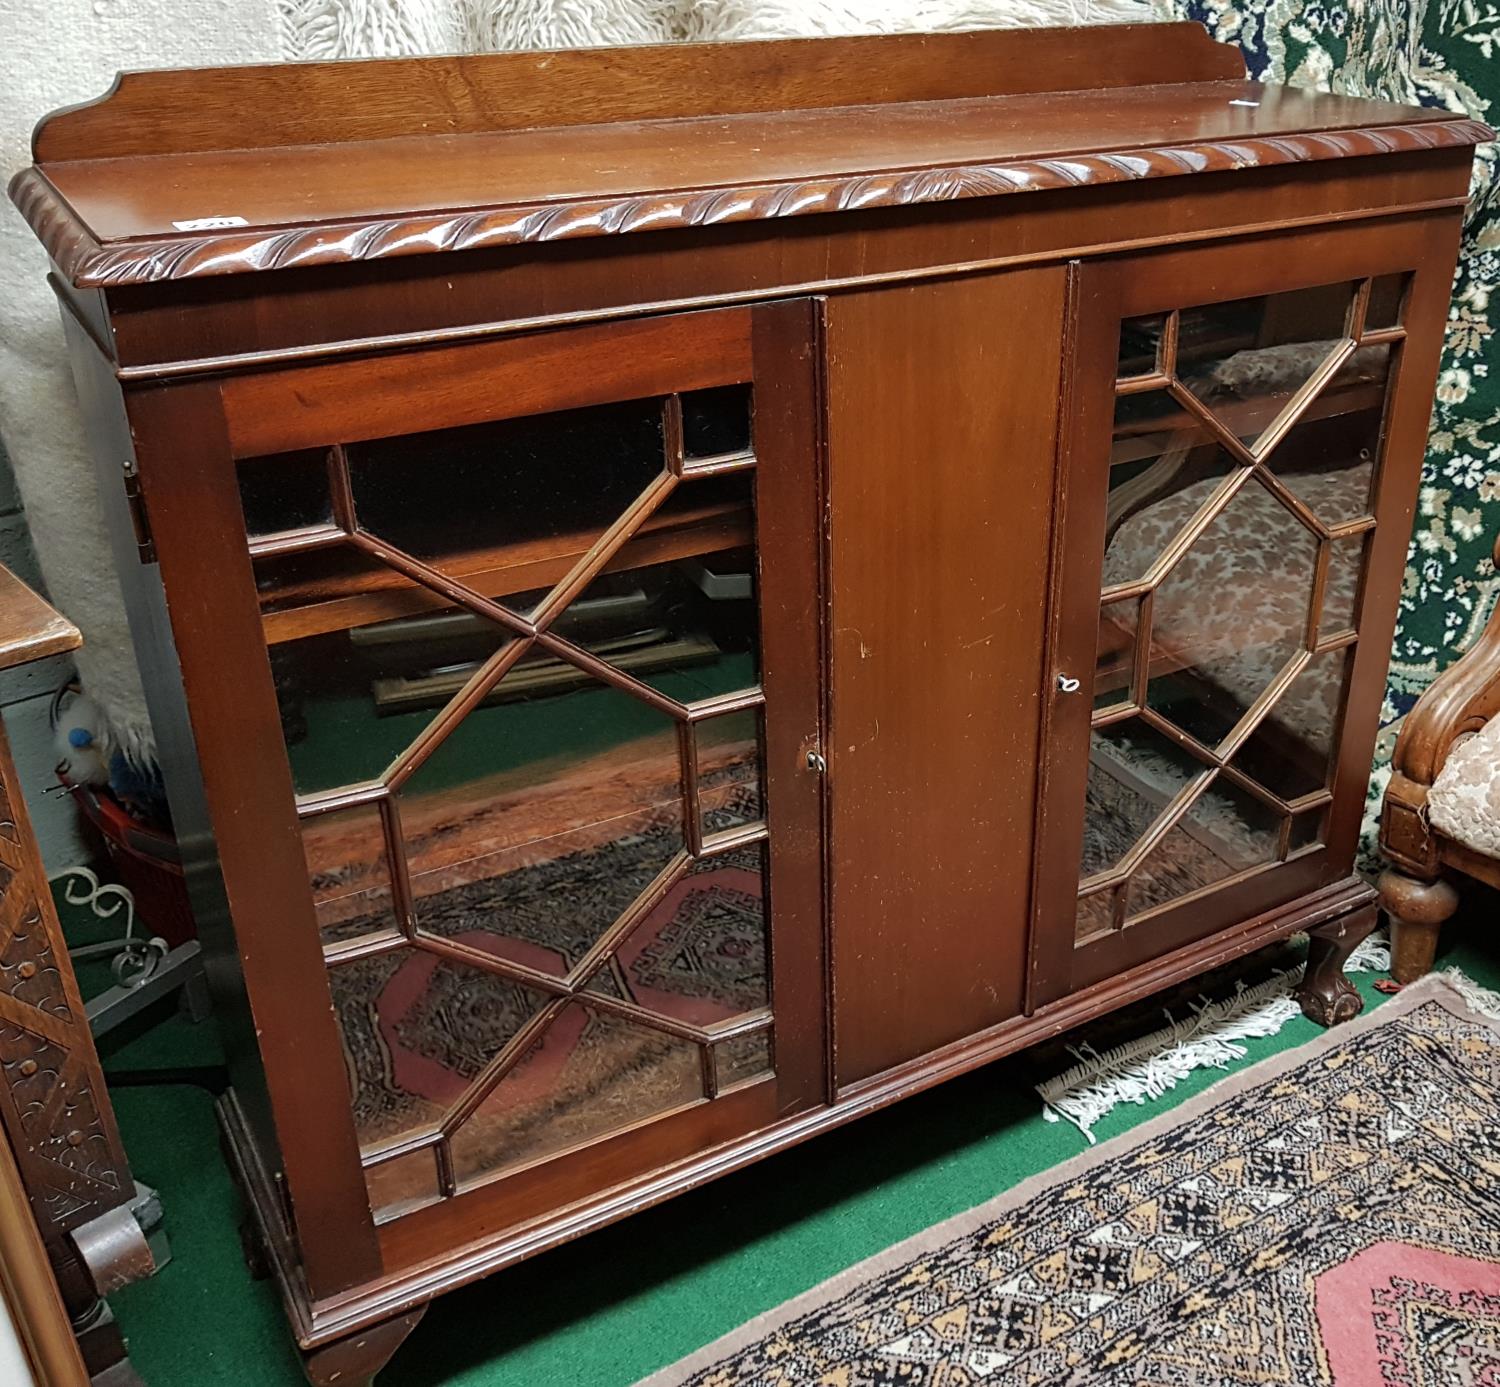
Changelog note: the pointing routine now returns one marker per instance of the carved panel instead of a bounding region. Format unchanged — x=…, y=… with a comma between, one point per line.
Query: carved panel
x=53, y=1103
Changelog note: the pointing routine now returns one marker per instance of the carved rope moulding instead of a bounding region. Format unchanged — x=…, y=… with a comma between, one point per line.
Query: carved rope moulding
x=87, y=263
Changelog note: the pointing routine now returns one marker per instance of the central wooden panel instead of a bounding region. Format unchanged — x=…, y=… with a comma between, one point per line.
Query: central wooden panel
x=942, y=422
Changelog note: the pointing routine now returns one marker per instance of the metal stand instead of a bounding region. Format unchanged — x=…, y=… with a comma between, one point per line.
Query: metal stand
x=145, y=969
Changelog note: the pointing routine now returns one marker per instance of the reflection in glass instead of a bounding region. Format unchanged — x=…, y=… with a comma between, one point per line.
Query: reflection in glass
x=1134, y=773
x=1290, y=752
x=591, y=1074
x=445, y=494
x=1220, y=557
x=701, y=955
x=716, y=421
x=730, y=755
x=349, y=872
x=403, y=1184
x=688, y=628
x=569, y=959
x=1346, y=564
x=1165, y=467
x=417, y=1030
x=1328, y=459
x=741, y=1058
x=1095, y=915
x=1114, y=657
x=1140, y=340
x=1246, y=359
x=541, y=818
x=284, y=491
x=1387, y=302
x=1224, y=832
x=352, y=700
x=1230, y=614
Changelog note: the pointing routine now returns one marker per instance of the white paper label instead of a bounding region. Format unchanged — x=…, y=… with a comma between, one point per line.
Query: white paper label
x=210, y=223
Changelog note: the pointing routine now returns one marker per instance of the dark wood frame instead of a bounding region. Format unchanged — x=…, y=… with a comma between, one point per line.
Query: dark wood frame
x=1108, y=292
x=198, y=529
x=188, y=344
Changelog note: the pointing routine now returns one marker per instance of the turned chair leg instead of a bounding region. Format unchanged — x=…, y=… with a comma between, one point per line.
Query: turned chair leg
x=353, y=1362
x=1417, y=910
x=1326, y=995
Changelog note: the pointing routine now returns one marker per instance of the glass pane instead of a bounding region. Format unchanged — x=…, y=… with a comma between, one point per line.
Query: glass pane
x=1164, y=468
x=591, y=1074
x=701, y=956
x=1134, y=773
x=1246, y=359
x=349, y=872
x=716, y=421
x=287, y=581
x=454, y=496
x=744, y=1057
x=543, y=815
x=688, y=629
x=1095, y=915
x=1307, y=831
x=1328, y=458
x=1290, y=751
x=1114, y=660
x=1346, y=562
x=1226, y=831
x=352, y=700
x=403, y=1185
x=730, y=752
x=1230, y=614
x=285, y=491
x=417, y=1030
x=1387, y=301
x=1139, y=341
x=720, y=507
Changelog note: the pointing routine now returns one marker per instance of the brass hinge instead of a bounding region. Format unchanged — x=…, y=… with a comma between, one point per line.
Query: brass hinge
x=139, y=520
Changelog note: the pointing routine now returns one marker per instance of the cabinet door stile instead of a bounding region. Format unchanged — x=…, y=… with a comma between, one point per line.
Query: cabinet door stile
x=187, y=477
x=1077, y=549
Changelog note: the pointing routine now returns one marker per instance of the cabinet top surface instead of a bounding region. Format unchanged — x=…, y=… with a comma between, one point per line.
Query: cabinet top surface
x=382, y=159
x=29, y=628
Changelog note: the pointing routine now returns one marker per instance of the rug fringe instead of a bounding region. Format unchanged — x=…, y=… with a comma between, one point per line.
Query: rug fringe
x=1480, y=999
x=1141, y=1070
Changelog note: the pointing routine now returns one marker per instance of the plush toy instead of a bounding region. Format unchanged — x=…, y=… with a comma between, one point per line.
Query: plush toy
x=82, y=739
x=89, y=755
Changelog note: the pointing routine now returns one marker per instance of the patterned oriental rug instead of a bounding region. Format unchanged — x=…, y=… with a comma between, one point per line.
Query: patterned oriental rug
x=1329, y=1216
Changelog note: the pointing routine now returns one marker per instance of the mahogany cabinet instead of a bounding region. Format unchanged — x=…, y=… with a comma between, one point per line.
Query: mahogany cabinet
x=679, y=609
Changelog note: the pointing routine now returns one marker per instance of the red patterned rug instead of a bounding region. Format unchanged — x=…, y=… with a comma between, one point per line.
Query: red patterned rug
x=1330, y=1216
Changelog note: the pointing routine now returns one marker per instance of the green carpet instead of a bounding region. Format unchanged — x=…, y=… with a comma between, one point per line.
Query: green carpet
x=608, y=1309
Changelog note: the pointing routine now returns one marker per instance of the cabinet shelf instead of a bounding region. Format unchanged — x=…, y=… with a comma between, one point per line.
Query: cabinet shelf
x=313, y=604
x=1142, y=438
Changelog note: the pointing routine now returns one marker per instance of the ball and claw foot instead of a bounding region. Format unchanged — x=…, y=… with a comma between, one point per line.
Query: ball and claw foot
x=1325, y=994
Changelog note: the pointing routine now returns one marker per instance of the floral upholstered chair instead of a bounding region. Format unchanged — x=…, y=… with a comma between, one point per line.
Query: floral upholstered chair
x=1441, y=815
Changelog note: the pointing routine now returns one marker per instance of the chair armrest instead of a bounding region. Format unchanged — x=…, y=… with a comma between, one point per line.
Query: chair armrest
x=1461, y=699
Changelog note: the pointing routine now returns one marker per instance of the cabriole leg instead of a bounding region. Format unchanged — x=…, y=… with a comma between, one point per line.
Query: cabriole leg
x=1326, y=995
x=1417, y=910
x=353, y=1362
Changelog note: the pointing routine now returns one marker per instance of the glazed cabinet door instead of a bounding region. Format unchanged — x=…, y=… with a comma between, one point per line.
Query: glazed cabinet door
x=538, y=624
x=1245, y=428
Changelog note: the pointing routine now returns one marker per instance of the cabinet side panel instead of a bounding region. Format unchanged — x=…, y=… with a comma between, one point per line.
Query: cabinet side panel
x=110, y=442
x=942, y=423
